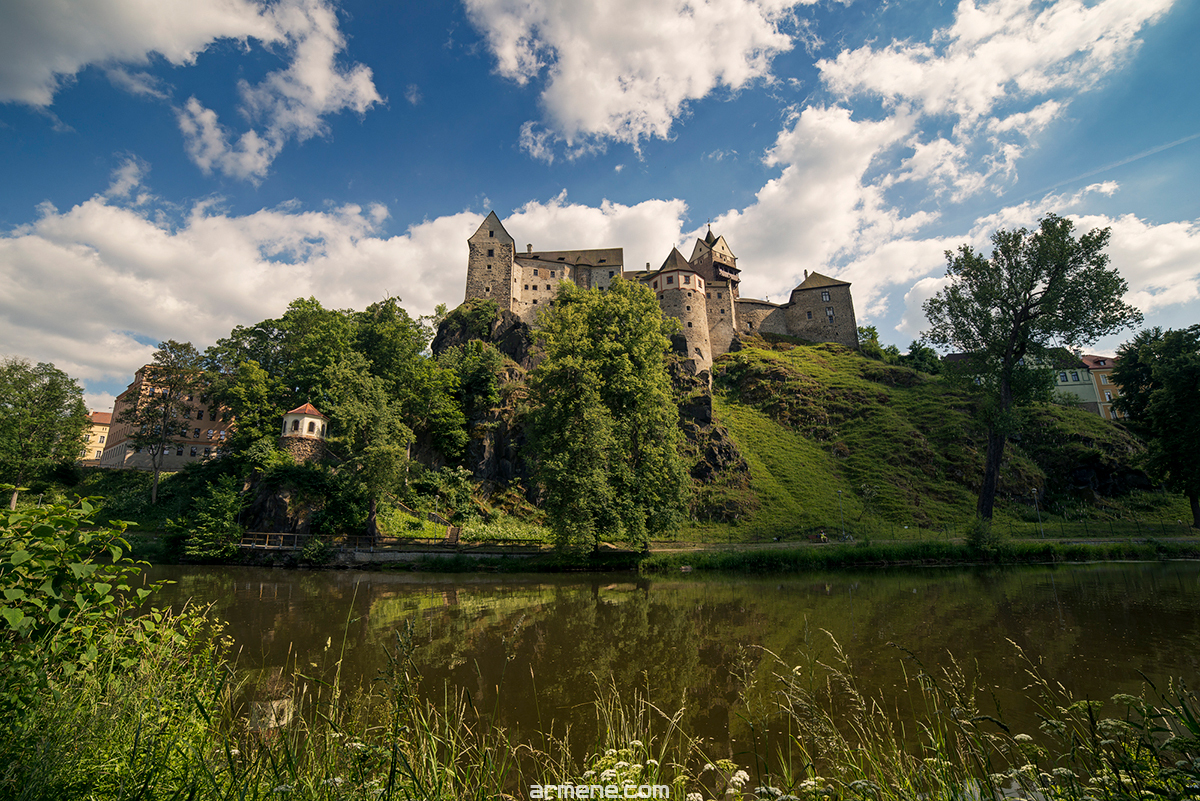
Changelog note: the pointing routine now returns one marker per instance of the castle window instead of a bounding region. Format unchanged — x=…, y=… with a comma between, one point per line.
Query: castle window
x=722, y=311
x=611, y=273
x=670, y=279
x=295, y=425
x=535, y=272
x=487, y=289
x=749, y=325
x=562, y=258
x=312, y=427
x=656, y=285
x=825, y=296
x=535, y=301
x=689, y=308
x=552, y=273
x=492, y=234
x=489, y=266
x=687, y=279
x=829, y=312
x=491, y=252
x=718, y=296
x=547, y=286
x=708, y=294
x=810, y=315
x=602, y=262
x=527, y=286
x=689, y=325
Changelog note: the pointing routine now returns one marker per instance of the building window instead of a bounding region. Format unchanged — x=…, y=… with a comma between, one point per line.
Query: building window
x=689, y=308
x=210, y=433
x=656, y=285
x=1108, y=396
x=611, y=273
x=722, y=311
x=207, y=451
x=489, y=266
x=193, y=451
x=295, y=425
x=547, y=286
x=491, y=252
x=1100, y=362
x=1103, y=379
x=552, y=273
x=1074, y=375
x=689, y=325
x=718, y=296
x=535, y=301
x=825, y=296
x=829, y=311
x=1062, y=377
x=101, y=439
x=199, y=414
x=179, y=451
x=687, y=279
x=487, y=289
x=708, y=295
x=670, y=279
x=535, y=272
x=527, y=286
x=602, y=262
x=197, y=433
x=492, y=234
x=312, y=427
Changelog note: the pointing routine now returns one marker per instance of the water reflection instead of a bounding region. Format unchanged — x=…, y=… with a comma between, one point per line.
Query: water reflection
x=545, y=645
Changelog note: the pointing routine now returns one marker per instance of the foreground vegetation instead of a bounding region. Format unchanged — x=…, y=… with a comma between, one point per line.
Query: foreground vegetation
x=119, y=704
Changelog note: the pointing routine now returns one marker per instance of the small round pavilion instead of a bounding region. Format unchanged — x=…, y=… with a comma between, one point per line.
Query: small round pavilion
x=304, y=430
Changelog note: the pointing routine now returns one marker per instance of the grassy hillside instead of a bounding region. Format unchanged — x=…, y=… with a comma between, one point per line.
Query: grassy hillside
x=904, y=450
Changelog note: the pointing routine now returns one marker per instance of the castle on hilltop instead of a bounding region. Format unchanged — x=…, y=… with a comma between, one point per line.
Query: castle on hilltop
x=700, y=292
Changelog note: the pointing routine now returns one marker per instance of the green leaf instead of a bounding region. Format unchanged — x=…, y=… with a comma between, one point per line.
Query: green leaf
x=14, y=594
x=19, y=557
x=143, y=594
x=102, y=588
x=116, y=552
x=56, y=614
x=14, y=617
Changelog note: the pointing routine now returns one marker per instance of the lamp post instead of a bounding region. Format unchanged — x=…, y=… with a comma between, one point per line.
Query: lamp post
x=841, y=514
x=1033, y=492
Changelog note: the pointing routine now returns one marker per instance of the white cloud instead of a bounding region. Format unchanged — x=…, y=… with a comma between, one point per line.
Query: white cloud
x=625, y=70
x=291, y=103
x=44, y=43
x=100, y=401
x=413, y=94
x=47, y=42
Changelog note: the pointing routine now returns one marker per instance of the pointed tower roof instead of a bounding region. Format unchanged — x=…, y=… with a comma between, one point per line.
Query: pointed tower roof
x=710, y=239
x=675, y=261
x=491, y=228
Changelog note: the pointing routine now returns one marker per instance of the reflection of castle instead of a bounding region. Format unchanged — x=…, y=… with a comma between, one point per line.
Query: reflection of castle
x=700, y=292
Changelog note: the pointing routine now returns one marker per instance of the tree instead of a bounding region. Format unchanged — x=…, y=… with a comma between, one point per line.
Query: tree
x=369, y=427
x=42, y=419
x=1037, y=289
x=168, y=384
x=1159, y=376
x=603, y=420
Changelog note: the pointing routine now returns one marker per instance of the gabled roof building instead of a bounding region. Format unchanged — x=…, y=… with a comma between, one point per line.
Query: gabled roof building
x=702, y=292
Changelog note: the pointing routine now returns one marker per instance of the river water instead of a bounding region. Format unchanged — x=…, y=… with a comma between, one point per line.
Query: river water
x=534, y=651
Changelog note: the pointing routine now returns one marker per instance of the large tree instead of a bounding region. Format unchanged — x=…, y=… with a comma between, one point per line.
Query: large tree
x=1159, y=376
x=42, y=419
x=154, y=417
x=1038, y=289
x=603, y=420
x=368, y=430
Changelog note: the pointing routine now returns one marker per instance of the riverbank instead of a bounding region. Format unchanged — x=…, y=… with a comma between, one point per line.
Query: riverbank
x=664, y=557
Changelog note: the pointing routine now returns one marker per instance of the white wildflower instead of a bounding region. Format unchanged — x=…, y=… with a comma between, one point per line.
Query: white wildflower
x=694, y=797
x=283, y=788
x=611, y=752
x=739, y=779
x=1064, y=773
x=1023, y=738
x=608, y=775
x=635, y=743
x=652, y=763
x=708, y=766
x=621, y=765
x=234, y=752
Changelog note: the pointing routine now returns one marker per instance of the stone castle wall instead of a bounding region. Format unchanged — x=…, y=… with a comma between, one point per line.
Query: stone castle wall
x=808, y=316
x=760, y=317
x=490, y=271
x=722, y=316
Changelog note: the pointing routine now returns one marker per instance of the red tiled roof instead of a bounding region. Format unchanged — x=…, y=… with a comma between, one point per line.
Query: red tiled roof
x=1094, y=362
x=102, y=418
x=309, y=409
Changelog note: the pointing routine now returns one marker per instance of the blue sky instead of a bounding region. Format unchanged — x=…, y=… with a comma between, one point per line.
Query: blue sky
x=174, y=169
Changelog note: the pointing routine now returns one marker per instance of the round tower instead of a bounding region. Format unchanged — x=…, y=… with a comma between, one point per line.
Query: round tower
x=680, y=292
x=304, y=432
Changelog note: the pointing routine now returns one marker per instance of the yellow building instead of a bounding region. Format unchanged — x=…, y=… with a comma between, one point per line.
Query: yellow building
x=1100, y=368
x=97, y=434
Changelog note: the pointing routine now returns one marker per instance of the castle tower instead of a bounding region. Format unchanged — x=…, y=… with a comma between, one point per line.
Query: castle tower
x=822, y=309
x=490, y=271
x=681, y=294
x=714, y=261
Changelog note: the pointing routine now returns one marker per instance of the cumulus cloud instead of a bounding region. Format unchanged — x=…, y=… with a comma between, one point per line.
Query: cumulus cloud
x=624, y=70
x=982, y=72
x=44, y=43
x=290, y=103
x=49, y=41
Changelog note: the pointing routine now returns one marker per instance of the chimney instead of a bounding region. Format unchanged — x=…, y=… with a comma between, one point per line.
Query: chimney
x=529, y=248
x=806, y=275
x=647, y=266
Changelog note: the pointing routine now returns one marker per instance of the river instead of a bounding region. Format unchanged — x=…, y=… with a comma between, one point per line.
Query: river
x=533, y=651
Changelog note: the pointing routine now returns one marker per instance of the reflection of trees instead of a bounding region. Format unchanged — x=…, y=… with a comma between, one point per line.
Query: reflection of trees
x=547, y=644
